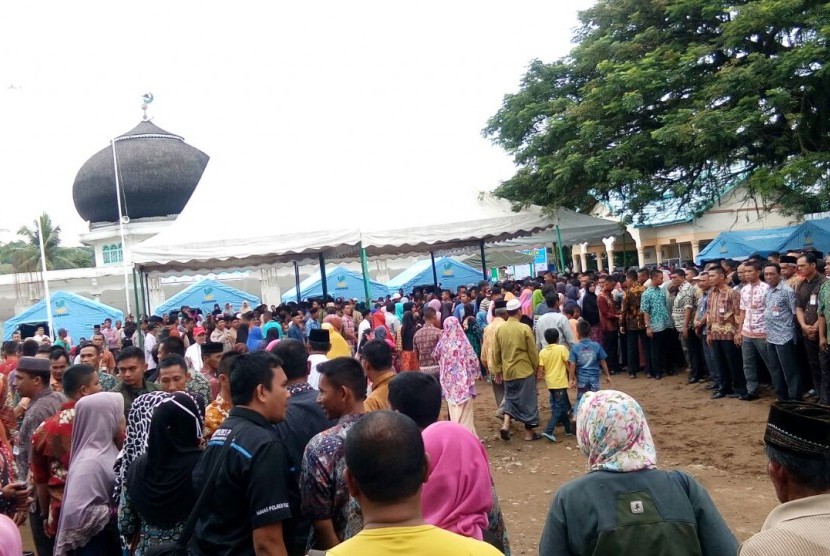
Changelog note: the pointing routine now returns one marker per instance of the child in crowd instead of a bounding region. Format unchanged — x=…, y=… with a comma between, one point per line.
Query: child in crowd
x=586, y=360
x=553, y=366
x=573, y=312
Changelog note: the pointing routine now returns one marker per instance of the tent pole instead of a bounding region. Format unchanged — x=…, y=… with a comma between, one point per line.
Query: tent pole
x=45, y=279
x=138, y=280
x=483, y=261
x=135, y=291
x=434, y=272
x=364, y=267
x=559, y=248
x=323, y=278
x=144, y=289
x=145, y=305
x=297, y=281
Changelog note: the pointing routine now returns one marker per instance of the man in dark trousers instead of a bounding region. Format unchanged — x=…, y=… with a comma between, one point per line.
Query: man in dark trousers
x=303, y=420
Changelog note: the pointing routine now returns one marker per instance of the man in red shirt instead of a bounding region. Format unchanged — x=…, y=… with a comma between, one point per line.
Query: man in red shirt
x=9, y=358
x=51, y=442
x=609, y=322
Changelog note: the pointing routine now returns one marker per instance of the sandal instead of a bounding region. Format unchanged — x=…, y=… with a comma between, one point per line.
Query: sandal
x=536, y=436
x=504, y=434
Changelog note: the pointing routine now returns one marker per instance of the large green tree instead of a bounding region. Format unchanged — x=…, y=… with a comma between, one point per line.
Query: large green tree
x=676, y=97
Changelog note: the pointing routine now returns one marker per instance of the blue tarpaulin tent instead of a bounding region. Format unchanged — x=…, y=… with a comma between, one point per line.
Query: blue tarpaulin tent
x=451, y=274
x=340, y=282
x=812, y=234
x=740, y=245
x=204, y=294
x=69, y=310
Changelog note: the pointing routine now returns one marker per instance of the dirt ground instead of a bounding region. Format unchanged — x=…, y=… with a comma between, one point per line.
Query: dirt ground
x=719, y=442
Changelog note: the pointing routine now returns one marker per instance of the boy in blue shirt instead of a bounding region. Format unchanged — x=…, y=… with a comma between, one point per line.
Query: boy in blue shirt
x=586, y=360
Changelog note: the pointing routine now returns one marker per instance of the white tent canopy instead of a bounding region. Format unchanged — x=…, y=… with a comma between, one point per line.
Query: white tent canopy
x=268, y=228
x=468, y=221
x=233, y=237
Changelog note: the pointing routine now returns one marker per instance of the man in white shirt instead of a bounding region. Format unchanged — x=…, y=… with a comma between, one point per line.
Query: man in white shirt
x=363, y=328
x=319, y=345
x=393, y=323
x=39, y=335
x=554, y=319
x=193, y=354
x=149, y=344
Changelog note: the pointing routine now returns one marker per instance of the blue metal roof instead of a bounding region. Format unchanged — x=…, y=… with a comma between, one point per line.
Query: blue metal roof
x=666, y=211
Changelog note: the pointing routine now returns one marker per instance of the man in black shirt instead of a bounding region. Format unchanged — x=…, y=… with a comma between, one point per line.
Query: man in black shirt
x=248, y=501
x=303, y=420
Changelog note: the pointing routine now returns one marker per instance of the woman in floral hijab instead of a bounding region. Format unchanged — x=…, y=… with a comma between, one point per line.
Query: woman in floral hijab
x=613, y=433
x=458, y=371
x=625, y=504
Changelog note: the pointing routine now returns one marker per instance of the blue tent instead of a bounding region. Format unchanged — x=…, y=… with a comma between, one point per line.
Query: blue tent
x=740, y=245
x=340, y=282
x=451, y=274
x=812, y=234
x=203, y=295
x=69, y=310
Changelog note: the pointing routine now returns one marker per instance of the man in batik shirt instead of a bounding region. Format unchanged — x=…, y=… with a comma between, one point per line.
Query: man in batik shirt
x=51, y=442
x=217, y=410
x=324, y=494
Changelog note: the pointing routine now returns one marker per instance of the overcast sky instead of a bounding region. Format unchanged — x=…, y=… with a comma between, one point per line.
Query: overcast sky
x=385, y=99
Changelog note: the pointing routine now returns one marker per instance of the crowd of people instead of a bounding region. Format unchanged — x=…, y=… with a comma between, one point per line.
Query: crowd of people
x=315, y=427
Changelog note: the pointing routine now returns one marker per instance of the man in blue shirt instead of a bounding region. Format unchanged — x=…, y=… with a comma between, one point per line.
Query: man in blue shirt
x=296, y=329
x=779, y=314
x=656, y=314
x=701, y=329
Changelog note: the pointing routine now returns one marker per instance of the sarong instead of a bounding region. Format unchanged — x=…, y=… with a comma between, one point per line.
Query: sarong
x=520, y=400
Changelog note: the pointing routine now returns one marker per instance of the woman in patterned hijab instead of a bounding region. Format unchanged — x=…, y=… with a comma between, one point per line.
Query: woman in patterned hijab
x=613, y=433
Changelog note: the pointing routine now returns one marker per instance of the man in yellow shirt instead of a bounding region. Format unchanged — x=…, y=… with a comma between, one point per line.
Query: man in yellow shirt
x=386, y=465
x=553, y=367
x=516, y=360
x=377, y=363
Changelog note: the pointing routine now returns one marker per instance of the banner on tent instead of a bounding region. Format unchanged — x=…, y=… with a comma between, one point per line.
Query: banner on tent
x=61, y=308
x=540, y=258
x=341, y=283
x=447, y=271
x=209, y=296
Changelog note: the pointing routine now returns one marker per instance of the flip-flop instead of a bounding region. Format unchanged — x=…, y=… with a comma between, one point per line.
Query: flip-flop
x=504, y=434
x=536, y=436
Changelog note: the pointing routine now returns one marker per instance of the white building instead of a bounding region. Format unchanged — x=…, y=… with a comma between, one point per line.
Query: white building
x=671, y=230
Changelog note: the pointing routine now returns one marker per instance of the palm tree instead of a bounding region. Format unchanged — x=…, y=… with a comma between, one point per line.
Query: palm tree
x=27, y=259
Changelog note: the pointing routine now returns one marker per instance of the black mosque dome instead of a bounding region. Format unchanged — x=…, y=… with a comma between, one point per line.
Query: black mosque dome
x=158, y=173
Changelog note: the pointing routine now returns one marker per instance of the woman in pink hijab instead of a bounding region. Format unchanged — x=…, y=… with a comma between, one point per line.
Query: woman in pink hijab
x=526, y=299
x=10, y=542
x=458, y=494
